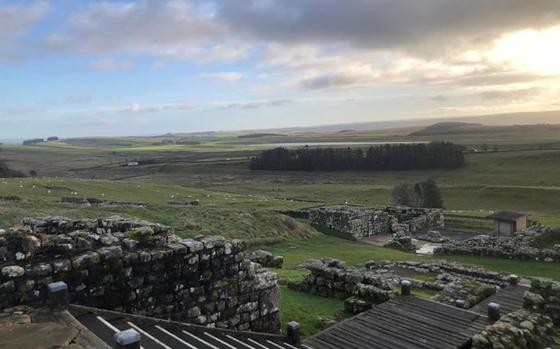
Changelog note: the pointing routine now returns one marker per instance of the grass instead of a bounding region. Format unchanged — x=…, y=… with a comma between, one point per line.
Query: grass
x=523, y=268
x=314, y=313
x=320, y=246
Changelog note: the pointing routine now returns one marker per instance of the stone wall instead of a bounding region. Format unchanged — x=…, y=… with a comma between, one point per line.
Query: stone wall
x=521, y=246
x=140, y=268
x=360, y=222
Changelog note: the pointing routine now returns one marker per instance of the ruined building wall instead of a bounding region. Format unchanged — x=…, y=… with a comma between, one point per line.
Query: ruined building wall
x=361, y=222
x=140, y=268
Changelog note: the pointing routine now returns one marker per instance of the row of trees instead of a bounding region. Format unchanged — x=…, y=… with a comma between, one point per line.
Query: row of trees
x=422, y=194
x=435, y=155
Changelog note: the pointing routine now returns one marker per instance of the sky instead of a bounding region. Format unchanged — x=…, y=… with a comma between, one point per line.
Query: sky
x=83, y=68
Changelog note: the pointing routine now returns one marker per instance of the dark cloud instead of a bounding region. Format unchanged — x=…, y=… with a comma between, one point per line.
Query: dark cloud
x=427, y=25
x=339, y=80
x=386, y=23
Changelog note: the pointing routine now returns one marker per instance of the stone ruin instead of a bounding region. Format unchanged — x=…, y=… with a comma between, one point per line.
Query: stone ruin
x=375, y=282
x=140, y=268
x=524, y=245
x=361, y=222
x=534, y=326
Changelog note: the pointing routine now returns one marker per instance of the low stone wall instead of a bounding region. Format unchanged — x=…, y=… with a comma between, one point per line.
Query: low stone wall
x=521, y=246
x=140, y=268
x=332, y=278
x=375, y=282
x=360, y=222
x=10, y=198
x=76, y=200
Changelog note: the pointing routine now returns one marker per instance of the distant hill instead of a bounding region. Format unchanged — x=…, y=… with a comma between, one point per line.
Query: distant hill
x=445, y=128
x=449, y=128
x=258, y=135
x=506, y=119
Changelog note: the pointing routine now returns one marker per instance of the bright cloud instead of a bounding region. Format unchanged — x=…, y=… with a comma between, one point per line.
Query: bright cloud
x=530, y=49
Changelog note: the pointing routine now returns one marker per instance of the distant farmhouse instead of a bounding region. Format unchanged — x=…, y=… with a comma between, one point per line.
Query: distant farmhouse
x=508, y=223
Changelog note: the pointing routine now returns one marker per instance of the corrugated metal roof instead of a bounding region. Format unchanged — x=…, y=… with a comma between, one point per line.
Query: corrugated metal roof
x=405, y=322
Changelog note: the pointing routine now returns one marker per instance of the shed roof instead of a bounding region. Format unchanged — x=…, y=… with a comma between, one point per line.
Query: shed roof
x=507, y=216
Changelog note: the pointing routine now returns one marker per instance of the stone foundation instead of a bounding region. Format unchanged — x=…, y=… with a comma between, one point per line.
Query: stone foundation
x=522, y=246
x=140, y=268
x=376, y=282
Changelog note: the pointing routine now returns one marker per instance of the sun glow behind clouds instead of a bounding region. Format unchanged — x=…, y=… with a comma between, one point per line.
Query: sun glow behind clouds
x=538, y=51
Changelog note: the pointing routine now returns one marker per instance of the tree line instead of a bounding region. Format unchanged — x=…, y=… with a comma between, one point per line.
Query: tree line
x=398, y=157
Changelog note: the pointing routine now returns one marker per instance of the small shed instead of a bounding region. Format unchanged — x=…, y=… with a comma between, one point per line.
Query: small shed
x=508, y=223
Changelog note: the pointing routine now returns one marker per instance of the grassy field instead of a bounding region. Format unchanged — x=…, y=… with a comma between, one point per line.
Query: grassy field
x=236, y=202
x=352, y=252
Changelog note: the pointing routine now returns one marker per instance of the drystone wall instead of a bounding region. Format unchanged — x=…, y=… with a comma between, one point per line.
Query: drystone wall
x=361, y=222
x=140, y=268
x=375, y=282
x=521, y=246
x=76, y=200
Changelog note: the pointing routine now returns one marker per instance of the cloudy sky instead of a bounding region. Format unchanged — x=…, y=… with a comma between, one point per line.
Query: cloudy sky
x=74, y=68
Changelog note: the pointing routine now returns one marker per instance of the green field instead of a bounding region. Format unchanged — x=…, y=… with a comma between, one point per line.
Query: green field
x=522, y=175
